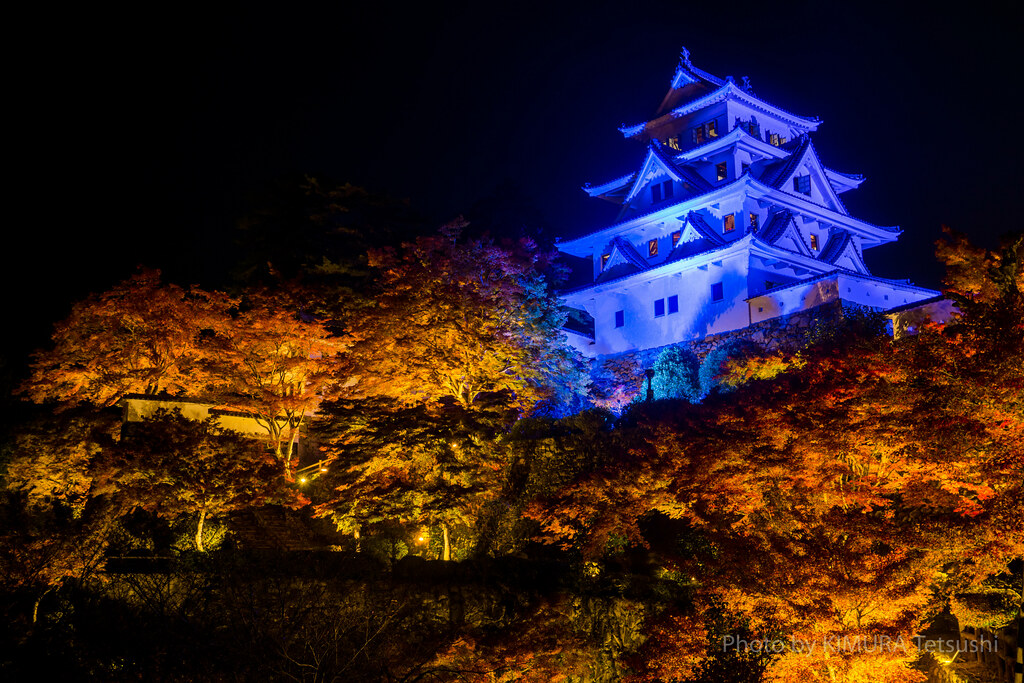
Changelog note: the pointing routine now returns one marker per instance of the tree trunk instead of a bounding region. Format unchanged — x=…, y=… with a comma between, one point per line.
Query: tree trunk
x=199, y=532
x=447, y=553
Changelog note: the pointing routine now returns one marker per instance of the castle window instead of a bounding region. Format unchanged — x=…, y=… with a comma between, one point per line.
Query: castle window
x=744, y=167
x=753, y=220
x=604, y=260
x=673, y=304
x=774, y=139
x=717, y=294
x=656, y=193
x=768, y=284
x=720, y=170
x=814, y=242
x=802, y=184
x=620, y=318
x=705, y=131
x=673, y=142
x=652, y=248
x=676, y=236
x=730, y=223
x=666, y=189
x=659, y=308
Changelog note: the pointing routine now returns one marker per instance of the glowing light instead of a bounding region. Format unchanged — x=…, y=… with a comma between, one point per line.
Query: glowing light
x=302, y=480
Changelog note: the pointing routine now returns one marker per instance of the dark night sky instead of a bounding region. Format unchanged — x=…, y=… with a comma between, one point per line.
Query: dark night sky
x=141, y=134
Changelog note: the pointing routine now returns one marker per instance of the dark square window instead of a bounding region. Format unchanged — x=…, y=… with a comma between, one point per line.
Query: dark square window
x=802, y=184
x=659, y=308
x=673, y=304
x=717, y=294
x=698, y=134
x=753, y=220
x=730, y=223
x=652, y=248
x=666, y=189
x=712, y=128
x=720, y=170
x=620, y=318
x=676, y=236
x=656, y=193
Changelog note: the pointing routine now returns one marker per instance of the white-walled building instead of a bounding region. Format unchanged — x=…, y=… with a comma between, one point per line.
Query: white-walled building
x=731, y=219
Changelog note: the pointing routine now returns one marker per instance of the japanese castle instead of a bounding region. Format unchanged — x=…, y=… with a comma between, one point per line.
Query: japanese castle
x=730, y=220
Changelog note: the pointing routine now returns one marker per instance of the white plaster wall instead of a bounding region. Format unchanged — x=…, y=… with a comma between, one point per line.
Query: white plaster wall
x=136, y=409
x=766, y=121
x=698, y=315
x=849, y=288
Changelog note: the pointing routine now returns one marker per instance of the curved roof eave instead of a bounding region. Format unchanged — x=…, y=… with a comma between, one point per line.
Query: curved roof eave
x=728, y=90
x=669, y=210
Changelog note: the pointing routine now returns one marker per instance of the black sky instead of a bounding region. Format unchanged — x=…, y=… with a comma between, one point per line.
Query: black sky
x=142, y=135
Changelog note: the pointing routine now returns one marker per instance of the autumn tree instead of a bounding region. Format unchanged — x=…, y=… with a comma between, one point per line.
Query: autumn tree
x=53, y=452
x=461, y=320
x=617, y=382
x=423, y=465
x=273, y=364
x=831, y=495
x=140, y=337
x=170, y=465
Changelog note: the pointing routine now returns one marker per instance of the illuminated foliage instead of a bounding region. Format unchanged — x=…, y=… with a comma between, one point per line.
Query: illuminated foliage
x=831, y=495
x=53, y=455
x=425, y=466
x=617, y=383
x=676, y=375
x=171, y=465
x=463, y=320
x=140, y=337
x=273, y=365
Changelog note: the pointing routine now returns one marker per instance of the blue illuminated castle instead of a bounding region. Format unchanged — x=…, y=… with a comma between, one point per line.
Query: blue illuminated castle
x=731, y=219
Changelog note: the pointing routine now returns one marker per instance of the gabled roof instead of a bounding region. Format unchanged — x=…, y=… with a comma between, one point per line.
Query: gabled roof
x=779, y=173
x=842, y=251
x=695, y=237
x=780, y=230
x=664, y=267
x=727, y=91
x=656, y=155
x=696, y=222
x=688, y=82
x=623, y=259
x=656, y=158
x=776, y=172
x=628, y=252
